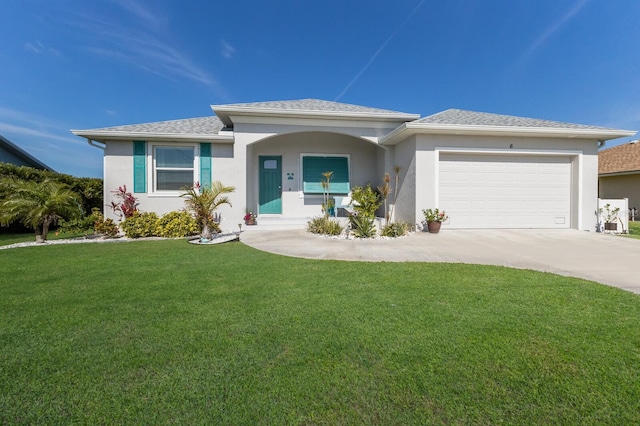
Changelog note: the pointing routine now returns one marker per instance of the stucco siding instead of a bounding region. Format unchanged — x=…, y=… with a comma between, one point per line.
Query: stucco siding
x=583, y=155
x=363, y=166
x=622, y=186
x=118, y=166
x=405, y=158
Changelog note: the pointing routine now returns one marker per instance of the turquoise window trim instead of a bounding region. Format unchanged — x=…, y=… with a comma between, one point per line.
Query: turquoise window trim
x=139, y=166
x=312, y=168
x=205, y=165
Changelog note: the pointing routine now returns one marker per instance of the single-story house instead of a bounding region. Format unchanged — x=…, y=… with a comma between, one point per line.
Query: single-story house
x=12, y=154
x=619, y=173
x=485, y=170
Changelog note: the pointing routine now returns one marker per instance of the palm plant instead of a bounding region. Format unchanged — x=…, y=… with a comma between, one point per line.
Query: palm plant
x=203, y=202
x=38, y=205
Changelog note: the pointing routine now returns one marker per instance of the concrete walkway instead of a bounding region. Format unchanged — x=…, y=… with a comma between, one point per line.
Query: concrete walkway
x=607, y=259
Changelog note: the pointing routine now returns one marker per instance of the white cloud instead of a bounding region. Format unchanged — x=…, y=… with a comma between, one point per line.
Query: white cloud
x=227, y=49
x=20, y=123
x=40, y=48
x=140, y=38
x=51, y=142
x=142, y=13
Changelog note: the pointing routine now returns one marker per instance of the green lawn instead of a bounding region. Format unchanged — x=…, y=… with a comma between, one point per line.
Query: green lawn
x=161, y=332
x=634, y=229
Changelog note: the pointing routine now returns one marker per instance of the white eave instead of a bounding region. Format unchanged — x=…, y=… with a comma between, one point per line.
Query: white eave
x=101, y=136
x=224, y=113
x=409, y=129
x=624, y=173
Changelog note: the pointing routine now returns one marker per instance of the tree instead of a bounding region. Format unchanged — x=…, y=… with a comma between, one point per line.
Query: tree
x=37, y=205
x=203, y=202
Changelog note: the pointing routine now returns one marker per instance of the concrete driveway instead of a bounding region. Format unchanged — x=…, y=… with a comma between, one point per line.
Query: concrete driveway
x=607, y=259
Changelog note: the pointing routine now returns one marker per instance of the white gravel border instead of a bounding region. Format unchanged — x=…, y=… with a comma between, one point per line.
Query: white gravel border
x=80, y=240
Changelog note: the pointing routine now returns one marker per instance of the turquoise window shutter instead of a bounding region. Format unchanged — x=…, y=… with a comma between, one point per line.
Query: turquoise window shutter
x=313, y=167
x=139, y=166
x=205, y=165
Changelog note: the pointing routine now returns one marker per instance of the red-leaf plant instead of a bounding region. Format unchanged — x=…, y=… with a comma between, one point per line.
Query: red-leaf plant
x=126, y=205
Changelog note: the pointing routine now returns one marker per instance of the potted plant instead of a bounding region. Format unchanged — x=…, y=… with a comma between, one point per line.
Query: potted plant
x=610, y=217
x=250, y=218
x=434, y=219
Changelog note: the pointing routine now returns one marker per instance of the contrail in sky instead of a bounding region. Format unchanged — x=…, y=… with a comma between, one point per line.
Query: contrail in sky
x=375, y=55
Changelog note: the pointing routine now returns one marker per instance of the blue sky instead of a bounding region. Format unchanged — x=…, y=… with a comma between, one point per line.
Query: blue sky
x=84, y=64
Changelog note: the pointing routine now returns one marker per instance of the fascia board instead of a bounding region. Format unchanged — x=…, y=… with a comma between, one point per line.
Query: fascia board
x=625, y=173
x=311, y=122
x=111, y=135
x=224, y=111
x=408, y=129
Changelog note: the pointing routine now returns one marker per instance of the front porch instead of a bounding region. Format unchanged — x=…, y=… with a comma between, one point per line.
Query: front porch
x=284, y=173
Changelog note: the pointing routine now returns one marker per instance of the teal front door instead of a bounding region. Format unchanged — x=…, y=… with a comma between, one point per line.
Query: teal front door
x=270, y=185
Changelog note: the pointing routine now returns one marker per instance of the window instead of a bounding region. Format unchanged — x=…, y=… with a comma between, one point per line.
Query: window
x=173, y=167
x=312, y=168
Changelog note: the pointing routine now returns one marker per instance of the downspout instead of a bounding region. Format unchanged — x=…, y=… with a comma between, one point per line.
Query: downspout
x=96, y=144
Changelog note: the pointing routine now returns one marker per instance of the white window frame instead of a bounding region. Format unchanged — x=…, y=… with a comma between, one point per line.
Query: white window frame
x=151, y=163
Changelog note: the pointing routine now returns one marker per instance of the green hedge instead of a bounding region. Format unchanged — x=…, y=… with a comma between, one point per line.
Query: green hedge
x=90, y=189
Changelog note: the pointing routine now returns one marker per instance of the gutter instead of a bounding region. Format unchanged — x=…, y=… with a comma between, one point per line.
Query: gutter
x=96, y=144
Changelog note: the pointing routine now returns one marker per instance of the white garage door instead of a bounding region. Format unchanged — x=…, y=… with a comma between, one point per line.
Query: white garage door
x=510, y=191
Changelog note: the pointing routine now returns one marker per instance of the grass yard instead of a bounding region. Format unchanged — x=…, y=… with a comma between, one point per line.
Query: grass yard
x=634, y=229
x=161, y=332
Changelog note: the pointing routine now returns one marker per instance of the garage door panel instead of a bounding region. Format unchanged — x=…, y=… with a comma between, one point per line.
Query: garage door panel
x=486, y=191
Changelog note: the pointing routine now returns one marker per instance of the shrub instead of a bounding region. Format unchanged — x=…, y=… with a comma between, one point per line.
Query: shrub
x=394, y=229
x=84, y=224
x=102, y=226
x=140, y=225
x=324, y=225
x=176, y=224
x=362, y=227
x=366, y=200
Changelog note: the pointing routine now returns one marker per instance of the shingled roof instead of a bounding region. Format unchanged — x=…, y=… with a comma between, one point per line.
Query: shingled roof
x=309, y=108
x=473, y=118
x=195, y=126
x=620, y=159
x=309, y=105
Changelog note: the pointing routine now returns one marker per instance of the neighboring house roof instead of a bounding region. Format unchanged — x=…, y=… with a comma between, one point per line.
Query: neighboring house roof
x=461, y=122
x=310, y=107
x=621, y=159
x=205, y=128
x=13, y=154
